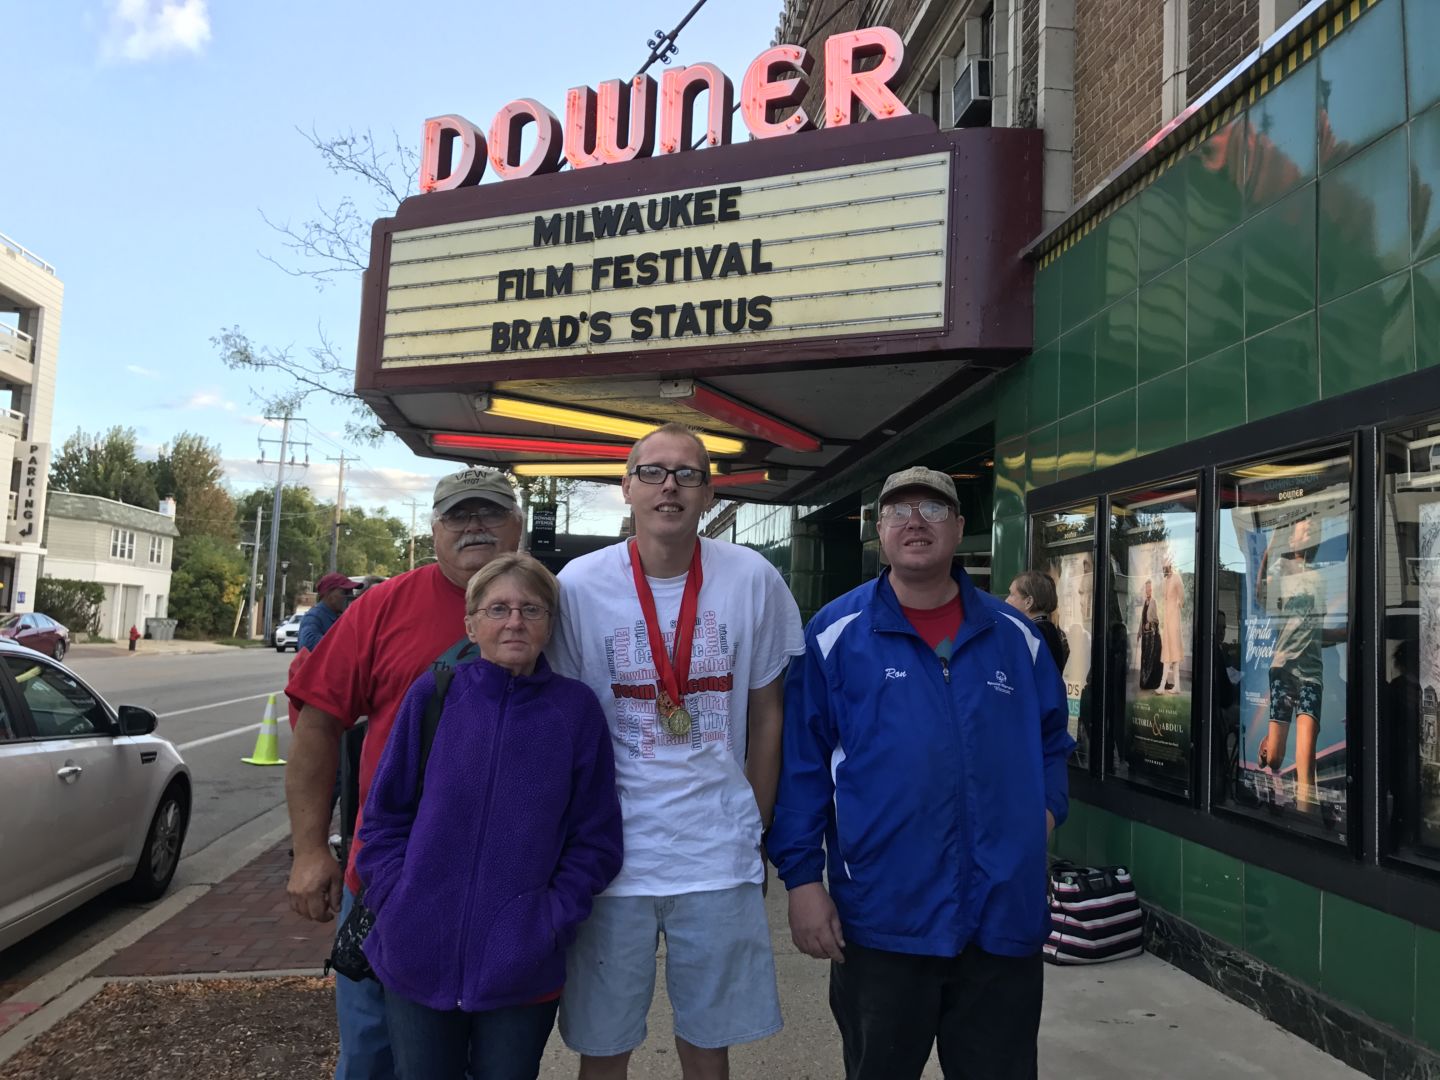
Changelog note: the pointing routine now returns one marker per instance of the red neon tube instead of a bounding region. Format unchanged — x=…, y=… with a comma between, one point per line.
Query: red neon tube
x=735, y=479
x=715, y=404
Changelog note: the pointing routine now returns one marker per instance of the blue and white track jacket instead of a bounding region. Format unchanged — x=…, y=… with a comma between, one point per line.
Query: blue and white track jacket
x=926, y=782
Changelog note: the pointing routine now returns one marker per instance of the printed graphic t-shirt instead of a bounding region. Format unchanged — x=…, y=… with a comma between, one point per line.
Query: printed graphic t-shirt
x=691, y=822
x=387, y=639
x=938, y=626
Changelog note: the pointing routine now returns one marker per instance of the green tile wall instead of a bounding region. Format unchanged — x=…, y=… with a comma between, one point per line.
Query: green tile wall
x=1427, y=313
x=1367, y=959
x=1422, y=60
x=1282, y=923
x=1363, y=83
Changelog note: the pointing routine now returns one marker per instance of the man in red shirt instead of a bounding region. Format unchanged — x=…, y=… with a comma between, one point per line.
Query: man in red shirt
x=390, y=635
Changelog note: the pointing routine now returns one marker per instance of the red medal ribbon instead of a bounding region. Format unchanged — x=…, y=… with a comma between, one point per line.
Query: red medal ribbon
x=676, y=674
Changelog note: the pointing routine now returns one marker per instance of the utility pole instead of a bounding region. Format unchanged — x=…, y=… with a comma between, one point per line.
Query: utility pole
x=273, y=560
x=413, y=504
x=339, y=513
x=255, y=566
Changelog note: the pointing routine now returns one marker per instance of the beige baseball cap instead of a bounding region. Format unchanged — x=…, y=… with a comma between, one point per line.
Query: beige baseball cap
x=474, y=483
x=918, y=476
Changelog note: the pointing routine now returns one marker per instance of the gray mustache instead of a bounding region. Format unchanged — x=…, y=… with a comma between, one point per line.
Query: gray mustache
x=471, y=539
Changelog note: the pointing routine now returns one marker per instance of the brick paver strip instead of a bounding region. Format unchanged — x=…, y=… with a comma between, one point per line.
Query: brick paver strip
x=243, y=924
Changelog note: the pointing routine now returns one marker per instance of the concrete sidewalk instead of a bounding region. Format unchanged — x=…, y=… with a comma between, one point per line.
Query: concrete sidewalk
x=1137, y=1018
x=146, y=647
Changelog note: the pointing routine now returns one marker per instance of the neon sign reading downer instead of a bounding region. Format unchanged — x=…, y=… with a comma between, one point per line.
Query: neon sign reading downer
x=611, y=125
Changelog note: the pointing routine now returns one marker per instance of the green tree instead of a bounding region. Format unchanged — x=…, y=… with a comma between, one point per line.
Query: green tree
x=206, y=588
x=190, y=470
x=304, y=535
x=105, y=464
x=372, y=543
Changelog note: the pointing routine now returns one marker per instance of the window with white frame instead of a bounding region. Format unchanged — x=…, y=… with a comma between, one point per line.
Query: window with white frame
x=122, y=544
x=157, y=549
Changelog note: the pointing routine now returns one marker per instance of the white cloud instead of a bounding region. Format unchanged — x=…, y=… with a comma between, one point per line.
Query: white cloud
x=206, y=399
x=141, y=30
x=142, y=372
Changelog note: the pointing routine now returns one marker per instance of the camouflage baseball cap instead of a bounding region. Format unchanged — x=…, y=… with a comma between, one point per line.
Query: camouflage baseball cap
x=918, y=476
x=474, y=483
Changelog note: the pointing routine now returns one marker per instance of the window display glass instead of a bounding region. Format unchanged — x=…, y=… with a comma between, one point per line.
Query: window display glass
x=1410, y=666
x=1064, y=548
x=1284, y=584
x=1151, y=637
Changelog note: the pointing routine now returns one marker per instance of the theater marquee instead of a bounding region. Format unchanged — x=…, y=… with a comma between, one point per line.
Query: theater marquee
x=835, y=252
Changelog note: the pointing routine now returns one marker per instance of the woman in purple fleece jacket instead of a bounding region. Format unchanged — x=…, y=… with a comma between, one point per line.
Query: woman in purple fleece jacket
x=478, y=891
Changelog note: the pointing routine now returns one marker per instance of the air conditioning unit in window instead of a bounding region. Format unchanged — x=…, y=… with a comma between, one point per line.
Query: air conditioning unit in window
x=971, y=95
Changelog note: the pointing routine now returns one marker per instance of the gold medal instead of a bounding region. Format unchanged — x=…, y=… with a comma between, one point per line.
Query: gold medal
x=678, y=722
x=674, y=717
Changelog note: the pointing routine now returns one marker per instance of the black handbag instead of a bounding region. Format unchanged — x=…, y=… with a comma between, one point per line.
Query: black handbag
x=347, y=955
x=1095, y=915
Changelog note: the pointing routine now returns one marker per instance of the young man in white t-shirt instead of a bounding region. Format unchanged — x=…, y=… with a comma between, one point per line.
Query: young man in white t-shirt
x=697, y=748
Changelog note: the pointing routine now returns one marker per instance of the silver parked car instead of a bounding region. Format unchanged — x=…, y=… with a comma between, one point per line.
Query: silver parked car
x=92, y=798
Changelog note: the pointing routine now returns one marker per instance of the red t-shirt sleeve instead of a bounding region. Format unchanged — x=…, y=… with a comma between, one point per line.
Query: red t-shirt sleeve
x=336, y=676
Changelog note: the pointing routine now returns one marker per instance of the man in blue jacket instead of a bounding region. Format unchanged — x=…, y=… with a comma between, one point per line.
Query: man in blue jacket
x=925, y=751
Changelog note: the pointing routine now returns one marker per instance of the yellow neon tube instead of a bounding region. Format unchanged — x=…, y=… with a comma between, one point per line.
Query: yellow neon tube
x=581, y=468
x=580, y=420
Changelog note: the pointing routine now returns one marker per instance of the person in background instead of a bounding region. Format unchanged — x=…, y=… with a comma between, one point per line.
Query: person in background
x=389, y=637
x=1033, y=594
x=924, y=765
x=333, y=593
x=479, y=882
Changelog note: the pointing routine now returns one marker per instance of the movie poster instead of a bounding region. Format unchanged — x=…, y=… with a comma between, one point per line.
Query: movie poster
x=1074, y=575
x=1157, y=609
x=1429, y=752
x=1294, y=609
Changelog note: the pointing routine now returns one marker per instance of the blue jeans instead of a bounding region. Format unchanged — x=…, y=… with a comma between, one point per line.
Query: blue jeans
x=360, y=1012
x=501, y=1044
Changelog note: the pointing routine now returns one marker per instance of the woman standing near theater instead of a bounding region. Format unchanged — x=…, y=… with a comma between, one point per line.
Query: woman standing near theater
x=479, y=882
x=1033, y=593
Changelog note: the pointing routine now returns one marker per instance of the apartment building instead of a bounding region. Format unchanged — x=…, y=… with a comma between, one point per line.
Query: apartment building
x=126, y=549
x=31, y=297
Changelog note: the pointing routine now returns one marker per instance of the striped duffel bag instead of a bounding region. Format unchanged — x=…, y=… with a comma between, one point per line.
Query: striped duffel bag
x=1094, y=915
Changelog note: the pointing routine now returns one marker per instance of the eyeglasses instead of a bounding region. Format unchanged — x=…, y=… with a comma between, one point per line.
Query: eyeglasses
x=897, y=514
x=487, y=517
x=528, y=612
x=685, y=476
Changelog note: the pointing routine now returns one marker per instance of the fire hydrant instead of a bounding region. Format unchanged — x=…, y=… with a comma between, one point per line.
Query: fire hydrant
x=134, y=637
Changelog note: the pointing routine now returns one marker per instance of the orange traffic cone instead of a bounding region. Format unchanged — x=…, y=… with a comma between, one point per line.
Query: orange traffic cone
x=267, y=746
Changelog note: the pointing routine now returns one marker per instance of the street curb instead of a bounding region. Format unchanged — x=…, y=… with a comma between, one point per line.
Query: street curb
x=216, y=976
x=59, y=992
x=43, y=1019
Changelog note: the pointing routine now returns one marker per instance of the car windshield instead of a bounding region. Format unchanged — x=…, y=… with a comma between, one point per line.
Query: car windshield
x=9, y=622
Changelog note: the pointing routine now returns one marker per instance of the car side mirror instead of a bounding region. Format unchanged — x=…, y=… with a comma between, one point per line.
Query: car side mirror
x=137, y=720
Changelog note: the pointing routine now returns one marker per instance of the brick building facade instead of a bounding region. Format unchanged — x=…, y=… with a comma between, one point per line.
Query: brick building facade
x=1101, y=76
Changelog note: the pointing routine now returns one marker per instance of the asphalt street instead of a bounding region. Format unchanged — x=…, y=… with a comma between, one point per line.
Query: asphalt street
x=210, y=706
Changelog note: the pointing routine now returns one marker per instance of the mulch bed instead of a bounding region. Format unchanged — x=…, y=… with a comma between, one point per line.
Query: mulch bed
x=220, y=1029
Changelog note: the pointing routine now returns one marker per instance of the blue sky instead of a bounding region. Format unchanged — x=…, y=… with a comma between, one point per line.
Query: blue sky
x=160, y=129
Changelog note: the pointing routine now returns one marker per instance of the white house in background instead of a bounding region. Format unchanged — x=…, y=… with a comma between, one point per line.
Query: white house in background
x=30, y=300
x=125, y=548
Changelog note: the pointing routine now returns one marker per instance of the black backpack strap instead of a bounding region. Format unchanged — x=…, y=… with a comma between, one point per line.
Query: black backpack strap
x=462, y=652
